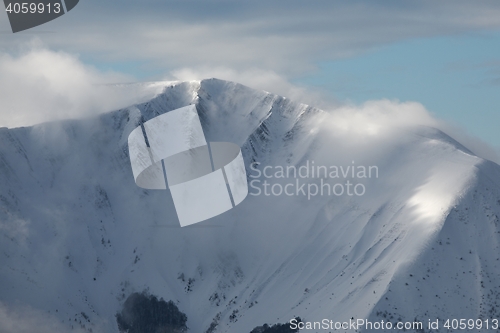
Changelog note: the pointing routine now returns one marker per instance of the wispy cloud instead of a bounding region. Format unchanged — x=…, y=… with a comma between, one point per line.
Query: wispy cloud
x=288, y=37
x=260, y=79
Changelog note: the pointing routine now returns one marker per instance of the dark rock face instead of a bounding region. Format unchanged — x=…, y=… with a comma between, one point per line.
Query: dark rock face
x=277, y=328
x=144, y=313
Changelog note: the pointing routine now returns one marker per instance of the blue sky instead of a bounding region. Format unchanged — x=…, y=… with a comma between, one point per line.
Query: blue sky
x=456, y=77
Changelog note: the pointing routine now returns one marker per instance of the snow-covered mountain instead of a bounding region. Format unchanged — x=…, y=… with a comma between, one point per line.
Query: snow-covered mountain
x=79, y=236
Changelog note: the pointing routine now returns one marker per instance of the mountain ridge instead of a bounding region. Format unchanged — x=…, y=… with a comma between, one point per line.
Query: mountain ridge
x=80, y=236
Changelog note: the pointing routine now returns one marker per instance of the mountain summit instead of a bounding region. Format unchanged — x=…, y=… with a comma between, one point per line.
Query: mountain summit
x=417, y=239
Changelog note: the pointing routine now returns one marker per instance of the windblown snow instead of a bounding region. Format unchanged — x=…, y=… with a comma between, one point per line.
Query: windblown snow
x=78, y=236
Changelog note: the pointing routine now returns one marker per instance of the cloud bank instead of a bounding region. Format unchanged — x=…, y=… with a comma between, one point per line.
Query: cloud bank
x=367, y=126
x=41, y=85
x=286, y=36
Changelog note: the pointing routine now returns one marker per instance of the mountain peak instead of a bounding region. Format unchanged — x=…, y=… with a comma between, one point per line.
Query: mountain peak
x=80, y=236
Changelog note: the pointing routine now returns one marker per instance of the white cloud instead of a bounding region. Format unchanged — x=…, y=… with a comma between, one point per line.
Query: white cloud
x=377, y=117
x=41, y=85
x=374, y=122
x=285, y=36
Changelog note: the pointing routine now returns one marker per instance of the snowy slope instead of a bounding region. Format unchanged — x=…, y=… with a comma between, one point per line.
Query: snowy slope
x=79, y=236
